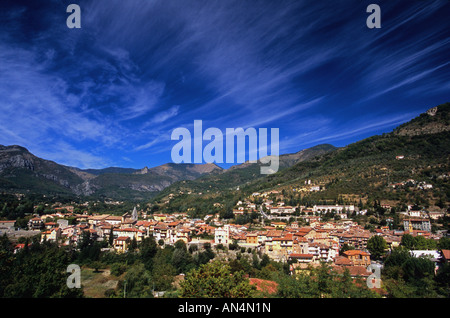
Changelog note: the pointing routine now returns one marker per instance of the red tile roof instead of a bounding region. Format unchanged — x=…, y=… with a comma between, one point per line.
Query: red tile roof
x=356, y=252
x=342, y=261
x=294, y=255
x=354, y=271
x=446, y=254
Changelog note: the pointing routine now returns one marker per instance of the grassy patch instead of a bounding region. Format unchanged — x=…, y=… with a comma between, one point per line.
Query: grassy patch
x=96, y=283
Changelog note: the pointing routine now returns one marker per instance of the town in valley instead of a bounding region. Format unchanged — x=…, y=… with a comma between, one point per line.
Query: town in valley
x=299, y=237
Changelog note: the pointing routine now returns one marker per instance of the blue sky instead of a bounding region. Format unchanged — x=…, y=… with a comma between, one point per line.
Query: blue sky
x=110, y=93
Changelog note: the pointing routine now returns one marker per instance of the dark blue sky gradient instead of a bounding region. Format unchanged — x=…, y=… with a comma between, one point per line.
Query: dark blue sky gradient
x=110, y=93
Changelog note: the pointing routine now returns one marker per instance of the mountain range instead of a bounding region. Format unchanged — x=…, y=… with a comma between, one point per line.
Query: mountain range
x=360, y=167
x=23, y=172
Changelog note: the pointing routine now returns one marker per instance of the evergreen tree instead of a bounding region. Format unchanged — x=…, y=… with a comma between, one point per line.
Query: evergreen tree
x=215, y=280
x=111, y=237
x=408, y=241
x=376, y=246
x=137, y=283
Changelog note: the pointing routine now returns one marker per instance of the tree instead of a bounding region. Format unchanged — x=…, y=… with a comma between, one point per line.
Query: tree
x=163, y=271
x=215, y=280
x=443, y=280
x=299, y=286
x=444, y=243
x=408, y=241
x=137, y=283
x=324, y=279
x=85, y=240
x=6, y=262
x=408, y=276
x=322, y=282
x=233, y=246
x=181, y=259
x=265, y=260
x=376, y=246
x=40, y=273
x=133, y=245
x=417, y=267
x=118, y=269
x=421, y=243
x=147, y=251
x=394, y=262
x=97, y=266
x=111, y=237
x=397, y=257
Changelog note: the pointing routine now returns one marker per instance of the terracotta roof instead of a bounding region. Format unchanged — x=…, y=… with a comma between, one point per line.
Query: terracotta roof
x=274, y=233
x=342, y=261
x=356, y=252
x=284, y=238
x=354, y=271
x=294, y=255
x=112, y=218
x=144, y=223
x=446, y=254
x=299, y=239
x=98, y=217
x=128, y=229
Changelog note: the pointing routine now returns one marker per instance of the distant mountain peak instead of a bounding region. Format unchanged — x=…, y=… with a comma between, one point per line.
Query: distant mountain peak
x=13, y=148
x=434, y=120
x=432, y=111
x=144, y=170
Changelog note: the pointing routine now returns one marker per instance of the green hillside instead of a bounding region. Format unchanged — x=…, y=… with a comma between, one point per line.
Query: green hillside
x=418, y=150
x=24, y=181
x=22, y=172
x=396, y=167
x=242, y=175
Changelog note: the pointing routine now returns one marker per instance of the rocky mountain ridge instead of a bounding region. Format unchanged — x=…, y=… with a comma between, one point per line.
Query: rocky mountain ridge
x=21, y=171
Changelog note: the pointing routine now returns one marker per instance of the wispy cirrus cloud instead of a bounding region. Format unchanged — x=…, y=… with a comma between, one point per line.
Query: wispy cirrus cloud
x=67, y=154
x=136, y=70
x=164, y=115
x=362, y=127
x=36, y=103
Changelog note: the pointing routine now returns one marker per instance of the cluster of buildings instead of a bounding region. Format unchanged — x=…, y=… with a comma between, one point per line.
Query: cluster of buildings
x=121, y=230
x=411, y=183
x=282, y=241
x=305, y=245
x=319, y=241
